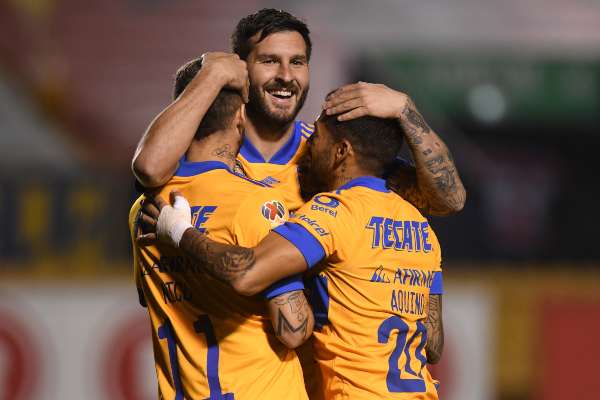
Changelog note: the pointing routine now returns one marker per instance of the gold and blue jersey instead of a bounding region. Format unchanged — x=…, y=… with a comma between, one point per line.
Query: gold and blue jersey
x=209, y=342
x=379, y=260
x=281, y=170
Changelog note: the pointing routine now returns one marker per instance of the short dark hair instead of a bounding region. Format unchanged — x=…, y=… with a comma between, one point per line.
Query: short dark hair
x=266, y=21
x=376, y=141
x=221, y=112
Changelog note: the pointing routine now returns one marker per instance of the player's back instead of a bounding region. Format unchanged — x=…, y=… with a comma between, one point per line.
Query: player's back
x=210, y=342
x=371, y=297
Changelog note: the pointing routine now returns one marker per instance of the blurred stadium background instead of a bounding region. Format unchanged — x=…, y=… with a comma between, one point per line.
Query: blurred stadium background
x=513, y=87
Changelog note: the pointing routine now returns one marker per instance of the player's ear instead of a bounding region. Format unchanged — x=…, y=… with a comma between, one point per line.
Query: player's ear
x=241, y=117
x=343, y=150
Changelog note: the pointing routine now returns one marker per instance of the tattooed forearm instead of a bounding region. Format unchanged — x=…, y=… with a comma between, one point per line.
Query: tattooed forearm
x=291, y=315
x=435, y=187
x=225, y=262
x=435, y=330
x=292, y=318
x=415, y=118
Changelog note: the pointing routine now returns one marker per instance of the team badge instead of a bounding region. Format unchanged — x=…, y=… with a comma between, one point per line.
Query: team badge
x=274, y=212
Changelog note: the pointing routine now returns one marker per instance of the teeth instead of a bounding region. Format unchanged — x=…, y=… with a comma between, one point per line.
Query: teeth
x=284, y=93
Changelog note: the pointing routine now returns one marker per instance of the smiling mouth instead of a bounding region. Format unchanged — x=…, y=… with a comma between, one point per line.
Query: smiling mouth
x=281, y=96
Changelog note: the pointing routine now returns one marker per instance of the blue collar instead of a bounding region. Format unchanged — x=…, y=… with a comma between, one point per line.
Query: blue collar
x=283, y=155
x=187, y=168
x=370, y=182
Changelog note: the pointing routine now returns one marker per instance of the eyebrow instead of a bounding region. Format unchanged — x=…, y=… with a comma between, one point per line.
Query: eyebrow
x=276, y=56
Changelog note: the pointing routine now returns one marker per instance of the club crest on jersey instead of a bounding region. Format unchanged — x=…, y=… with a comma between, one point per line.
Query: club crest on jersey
x=274, y=212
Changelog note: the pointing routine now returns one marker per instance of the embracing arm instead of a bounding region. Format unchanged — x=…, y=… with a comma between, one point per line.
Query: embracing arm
x=292, y=318
x=248, y=271
x=169, y=135
x=434, y=185
x=435, y=330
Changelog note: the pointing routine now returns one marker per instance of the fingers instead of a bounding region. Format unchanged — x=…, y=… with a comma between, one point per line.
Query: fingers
x=345, y=106
x=159, y=202
x=146, y=239
x=246, y=91
x=340, y=96
x=148, y=223
x=178, y=201
x=150, y=208
x=353, y=114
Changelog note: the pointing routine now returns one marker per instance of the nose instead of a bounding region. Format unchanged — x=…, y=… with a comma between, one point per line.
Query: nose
x=284, y=72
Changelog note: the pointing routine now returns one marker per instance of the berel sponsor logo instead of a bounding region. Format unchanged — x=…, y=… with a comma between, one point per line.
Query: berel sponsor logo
x=315, y=207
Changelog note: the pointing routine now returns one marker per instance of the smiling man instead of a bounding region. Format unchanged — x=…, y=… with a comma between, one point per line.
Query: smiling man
x=270, y=65
x=377, y=295
x=272, y=50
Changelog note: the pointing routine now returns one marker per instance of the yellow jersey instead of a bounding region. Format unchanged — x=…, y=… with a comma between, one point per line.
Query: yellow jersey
x=379, y=260
x=281, y=170
x=209, y=342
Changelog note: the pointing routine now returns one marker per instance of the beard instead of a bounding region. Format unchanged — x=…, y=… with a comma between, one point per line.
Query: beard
x=259, y=107
x=312, y=176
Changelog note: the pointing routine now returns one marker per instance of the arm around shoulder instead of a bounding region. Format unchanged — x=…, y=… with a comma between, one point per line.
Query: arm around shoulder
x=169, y=135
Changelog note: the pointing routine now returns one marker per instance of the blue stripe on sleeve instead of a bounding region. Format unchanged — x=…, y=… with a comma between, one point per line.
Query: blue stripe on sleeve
x=283, y=286
x=308, y=245
x=437, y=286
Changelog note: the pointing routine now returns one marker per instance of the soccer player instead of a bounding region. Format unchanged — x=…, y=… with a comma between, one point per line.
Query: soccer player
x=210, y=342
x=379, y=263
x=273, y=49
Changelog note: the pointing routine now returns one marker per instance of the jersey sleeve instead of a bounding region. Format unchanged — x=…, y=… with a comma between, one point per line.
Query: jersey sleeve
x=133, y=229
x=258, y=214
x=437, y=286
x=314, y=227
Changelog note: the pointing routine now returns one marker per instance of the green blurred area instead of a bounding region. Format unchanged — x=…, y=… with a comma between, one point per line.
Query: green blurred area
x=534, y=88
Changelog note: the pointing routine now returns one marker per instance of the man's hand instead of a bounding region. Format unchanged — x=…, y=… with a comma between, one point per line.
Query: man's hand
x=360, y=99
x=232, y=72
x=163, y=221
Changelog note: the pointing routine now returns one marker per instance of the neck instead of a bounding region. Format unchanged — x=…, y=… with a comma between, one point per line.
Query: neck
x=268, y=138
x=346, y=173
x=220, y=146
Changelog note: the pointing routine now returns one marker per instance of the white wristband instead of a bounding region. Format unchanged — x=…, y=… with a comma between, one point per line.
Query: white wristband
x=177, y=231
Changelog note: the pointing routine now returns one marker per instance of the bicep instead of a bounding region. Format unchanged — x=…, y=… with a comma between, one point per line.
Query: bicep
x=275, y=259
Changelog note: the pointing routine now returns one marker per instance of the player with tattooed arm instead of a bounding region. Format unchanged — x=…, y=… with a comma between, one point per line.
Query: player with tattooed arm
x=378, y=290
x=209, y=342
x=272, y=49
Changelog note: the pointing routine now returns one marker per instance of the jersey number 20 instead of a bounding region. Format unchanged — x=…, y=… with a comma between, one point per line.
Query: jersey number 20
x=394, y=382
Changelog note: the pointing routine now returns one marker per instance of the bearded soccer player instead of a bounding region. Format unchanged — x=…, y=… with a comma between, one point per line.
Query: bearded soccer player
x=379, y=263
x=209, y=342
x=273, y=49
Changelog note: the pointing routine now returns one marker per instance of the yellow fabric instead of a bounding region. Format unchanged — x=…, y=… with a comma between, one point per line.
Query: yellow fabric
x=368, y=281
x=281, y=176
x=252, y=363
